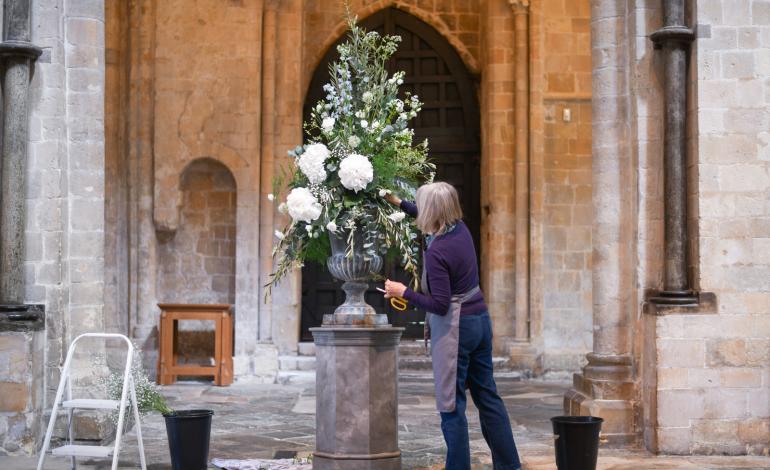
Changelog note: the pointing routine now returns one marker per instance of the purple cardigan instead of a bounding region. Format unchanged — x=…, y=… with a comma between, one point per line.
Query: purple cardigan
x=451, y=265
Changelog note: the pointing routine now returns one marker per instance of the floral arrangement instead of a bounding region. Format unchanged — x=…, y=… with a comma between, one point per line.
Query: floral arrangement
x=359, y=149
x=148, y=396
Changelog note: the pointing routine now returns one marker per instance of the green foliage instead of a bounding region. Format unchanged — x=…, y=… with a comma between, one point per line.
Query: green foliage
x=361, y=115
x=148, y=396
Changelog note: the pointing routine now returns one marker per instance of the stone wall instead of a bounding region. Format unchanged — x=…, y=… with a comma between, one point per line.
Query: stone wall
x=21, y=391
x=197, y=264
x=566, y=156
x=567, y=235
x=713, y=367
x=189, y=92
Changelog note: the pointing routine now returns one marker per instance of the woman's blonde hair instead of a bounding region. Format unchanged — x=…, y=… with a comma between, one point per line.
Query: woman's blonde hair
x=438, y=207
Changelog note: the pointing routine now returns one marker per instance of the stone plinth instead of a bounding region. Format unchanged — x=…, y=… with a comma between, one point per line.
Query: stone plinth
x=357, y=398
x=22, y=339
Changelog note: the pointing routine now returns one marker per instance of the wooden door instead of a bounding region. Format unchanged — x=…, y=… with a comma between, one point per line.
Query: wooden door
x=449, y=120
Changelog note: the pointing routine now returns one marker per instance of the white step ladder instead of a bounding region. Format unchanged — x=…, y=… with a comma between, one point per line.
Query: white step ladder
x=71, y=405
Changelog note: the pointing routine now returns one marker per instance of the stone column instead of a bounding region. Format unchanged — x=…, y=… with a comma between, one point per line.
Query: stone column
x=521, y=352
x=521, y=177
x=356, y=398
x=605, y=387
x=18, y=54
x=497, y=168
x=143, y=254
x=674, y=39
x=21, y=326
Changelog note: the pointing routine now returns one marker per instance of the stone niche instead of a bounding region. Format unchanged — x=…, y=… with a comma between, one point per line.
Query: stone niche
x=196, y=262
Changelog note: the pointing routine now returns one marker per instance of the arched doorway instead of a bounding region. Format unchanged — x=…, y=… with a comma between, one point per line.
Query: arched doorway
x=450, y=122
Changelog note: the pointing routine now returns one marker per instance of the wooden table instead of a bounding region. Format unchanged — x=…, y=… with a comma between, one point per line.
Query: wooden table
x=221, y=314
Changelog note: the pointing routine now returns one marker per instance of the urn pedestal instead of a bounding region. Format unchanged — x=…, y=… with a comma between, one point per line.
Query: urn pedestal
x=356, y=370
x=357, y=398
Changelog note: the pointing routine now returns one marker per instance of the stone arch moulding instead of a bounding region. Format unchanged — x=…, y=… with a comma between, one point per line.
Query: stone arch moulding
x=471, y=63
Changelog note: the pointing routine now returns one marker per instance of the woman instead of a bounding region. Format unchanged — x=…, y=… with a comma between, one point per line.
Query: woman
x=460, y=330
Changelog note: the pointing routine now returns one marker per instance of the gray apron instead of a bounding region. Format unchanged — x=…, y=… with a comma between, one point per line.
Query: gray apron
x=443, y=331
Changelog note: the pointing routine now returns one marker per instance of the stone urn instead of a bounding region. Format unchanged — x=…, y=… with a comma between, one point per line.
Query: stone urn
x=356, y=269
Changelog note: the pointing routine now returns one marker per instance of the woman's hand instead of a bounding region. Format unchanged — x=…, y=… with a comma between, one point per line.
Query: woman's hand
x=393, y=199
x=394, y=289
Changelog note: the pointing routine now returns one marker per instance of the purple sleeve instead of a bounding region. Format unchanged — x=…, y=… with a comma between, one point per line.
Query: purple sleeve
x=440, y=287
x=409, y=207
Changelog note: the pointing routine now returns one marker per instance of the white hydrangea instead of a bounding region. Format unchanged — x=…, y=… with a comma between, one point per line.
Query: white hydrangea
x=354, y=141
x=311, y=163
x=328, y=124
x=302, y=205
x=397, y=217
x=356, y=172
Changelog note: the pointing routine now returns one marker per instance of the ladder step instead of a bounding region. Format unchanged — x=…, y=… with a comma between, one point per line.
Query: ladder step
x=92, y=404
x=83, y=451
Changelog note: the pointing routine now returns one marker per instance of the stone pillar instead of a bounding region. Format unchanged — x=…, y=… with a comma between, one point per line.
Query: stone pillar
x=357, y=398
x=143, y=253
x=521, y=169
x=17, y=53
x=498, y=216
x=605, y=388
x=22, y=337
x=522, y=354
x=674, y=39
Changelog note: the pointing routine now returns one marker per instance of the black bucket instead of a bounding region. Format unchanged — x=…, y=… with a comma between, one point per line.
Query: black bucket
x=188, y=438
x=576, y=440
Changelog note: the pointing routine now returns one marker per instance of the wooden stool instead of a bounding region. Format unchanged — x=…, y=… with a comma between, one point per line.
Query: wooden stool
x=222, y=370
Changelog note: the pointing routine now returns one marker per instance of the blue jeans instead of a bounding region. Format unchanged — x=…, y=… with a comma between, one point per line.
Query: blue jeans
x=474, y=363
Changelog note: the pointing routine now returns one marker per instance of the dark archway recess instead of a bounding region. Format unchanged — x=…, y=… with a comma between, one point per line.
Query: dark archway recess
x=449, y=120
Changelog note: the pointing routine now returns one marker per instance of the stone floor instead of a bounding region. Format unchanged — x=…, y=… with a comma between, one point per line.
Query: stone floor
x=270, y=421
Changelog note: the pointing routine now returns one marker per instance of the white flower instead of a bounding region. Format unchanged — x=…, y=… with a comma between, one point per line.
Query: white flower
x=279, y=235
x=331, y=226
x=271, y=197
x=283, y=208
x=302, y=205
x=367, y=96
x=328, y=124
x=364, y=123
x=360, y=114
x=353, y=141
x=375, y=124
x=383, y=192
x=397, y=216
x=356, y=172
x=400, y=81
x=311, y=163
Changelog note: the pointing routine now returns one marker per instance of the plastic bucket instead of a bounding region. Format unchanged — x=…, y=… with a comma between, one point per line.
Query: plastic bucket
x=188, y=433
x=576, y=441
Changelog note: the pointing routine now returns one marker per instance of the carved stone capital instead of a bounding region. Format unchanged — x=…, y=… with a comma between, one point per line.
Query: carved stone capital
x=519, y=5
